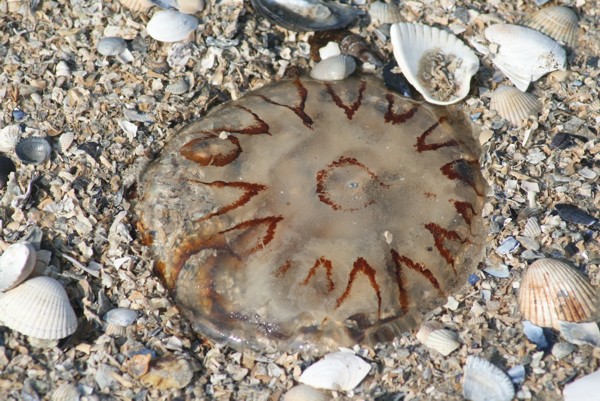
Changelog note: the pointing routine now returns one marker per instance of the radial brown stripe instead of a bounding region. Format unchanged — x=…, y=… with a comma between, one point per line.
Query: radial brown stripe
x=361, y=266
x=270, y=222
x=465, y=209
x=422, y=146
x=349, y=110
x=440, y=235
x=462, y=170
x=299, y=109
x=418, y=267
x=327, y=266
x=398, y=118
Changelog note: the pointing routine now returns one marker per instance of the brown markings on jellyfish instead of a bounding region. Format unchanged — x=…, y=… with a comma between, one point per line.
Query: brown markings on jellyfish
x=465, y=209
x=398, y=118
x=440, y=235
x=361, y=266
x=250, y=232
x=212, y=150
x=327, y=266
x=283, y=269
x=462, y=170
x=422, y=146
x=349, y=178
x=299, y=109
x=349, y=110
x=418, y=267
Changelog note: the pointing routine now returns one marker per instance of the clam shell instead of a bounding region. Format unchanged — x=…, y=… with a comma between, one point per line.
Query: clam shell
x=9, y=137
x=336, y=371
x=111, y=46
x=524, y=55
x=483, y=381
x=16, y=264
x=419, y=50
x=65, y=140
x=306, y=15
x=558, y=22
x=303, y=392
x=66, y=392
x=385, y=13
x=171, y=26
x=514, y=105
x=334, y=68
x=136, y=5
x=178, y=87
x=34, y=150
x=552, y=290
x=7, y=166
x=39, y=308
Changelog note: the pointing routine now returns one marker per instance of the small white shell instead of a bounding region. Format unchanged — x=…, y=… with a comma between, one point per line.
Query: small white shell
x=111, y=46
x=121, y=316
x=329, y=50
x=558, y=22
x=524, y=55
x=62, y=69
x=16, y=264
x=385, y=13
x=66, y=392
x=443, y=341
x=334, y=68
x=421, y=50
x=9, y=137
x=65, y=140
x=586, y=388
x=552, y=291
x=336, y=371
x=136, y=5
x=303, y=392
x=532, y=228
x=514, y=105
x=178, y=87
x=483, y=381
x=39, y=308
x=562, y=349
x=171, y=26
x=190, y=6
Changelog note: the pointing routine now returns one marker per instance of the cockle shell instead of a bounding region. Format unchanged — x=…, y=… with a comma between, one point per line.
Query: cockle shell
x=524, y=55
x=65, y=140
x=514, y=105
x=66, y=392
x=336, y=371
x=483, y=381
x=171, y=26
x=435, y=62
x=558, y=22
x=303, y=392
x=39, y=308
x=334, y=68
x=118, y=319
x=552, y=290
x=179, y=87
x=33, y=150
x=442, y=340
x=9, y=137
x=385, y=13
x=16, y=264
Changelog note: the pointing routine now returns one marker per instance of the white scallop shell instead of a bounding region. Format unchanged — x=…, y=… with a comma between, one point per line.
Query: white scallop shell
x=524, y=55
x=552, y=291
x=483, y=381
x=334, y=68
x=385, y=13
x=303, y=392
x=66, y=392
x=514, y=105
x=39, y=308
x=16, y=264
x=178, y=87
x=414, y=46
x=65, y=140
x=558, y=22
x=9, y=137
x=171, y=26
x=336, y=371
x=532, y=228
x=443, y=341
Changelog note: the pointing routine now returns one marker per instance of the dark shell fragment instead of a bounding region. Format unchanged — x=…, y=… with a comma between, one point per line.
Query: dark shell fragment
x=575, y=215
x=7, y=166
x=564, y=140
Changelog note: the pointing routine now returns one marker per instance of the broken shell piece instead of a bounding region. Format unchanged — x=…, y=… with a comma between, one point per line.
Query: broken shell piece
x=580, y=333
x=171, y=26
x=484, y=382
x=136, y=5
x=552, y=290
x=330, y=50
x=34, y=150
x=435, y=62
x=524, y=55
x=336, y=371
x=303, y=392
x=178, y=87
x=65, y=140
x=334, y=68
x=16, y=264
x=514, y=105
x=115, y=46
x=306, y=15
x=118, y=319
x=558, y=22
x=442, y=340
x=585, y=388
x=385, y=13
x=9, y=137
x=39, y=308
x=562, y=349
x=532, y=228
x=7, y=166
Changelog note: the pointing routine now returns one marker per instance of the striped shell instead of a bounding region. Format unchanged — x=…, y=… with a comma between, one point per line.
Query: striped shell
x=336, y=371
x=558, y=22
x=16, y=264
x=385, y=13
x=532, y=228
x=65, y=140
x=483, y=381
x=303, y=392
x=334, y=68
x=39, y=308
x=552, y=290
x=171, y=26
x=179, y=87
x=34, y=150
x=442, y=340
x=423, y=51
x=514, y=105
x=66, y=392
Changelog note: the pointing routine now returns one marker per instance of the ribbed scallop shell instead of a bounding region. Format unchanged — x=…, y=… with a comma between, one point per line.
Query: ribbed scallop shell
x=65, y=140
x=336, y=371
x=34, y=150
x=483, y=381
x=524, y=55
x=303, y=392
x=178, y=87
x=171, y=26
x=385, y=13
x=39, y=308
x=558, y=22
x=552, y=290
x=66, y=392
x=443, y=341
x=532, y=228
x=16, y=264
x=334, y=68
x=514, y=105
x=415, y=44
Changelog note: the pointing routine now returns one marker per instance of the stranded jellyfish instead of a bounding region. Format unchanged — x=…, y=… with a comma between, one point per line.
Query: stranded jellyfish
x=309, y=215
